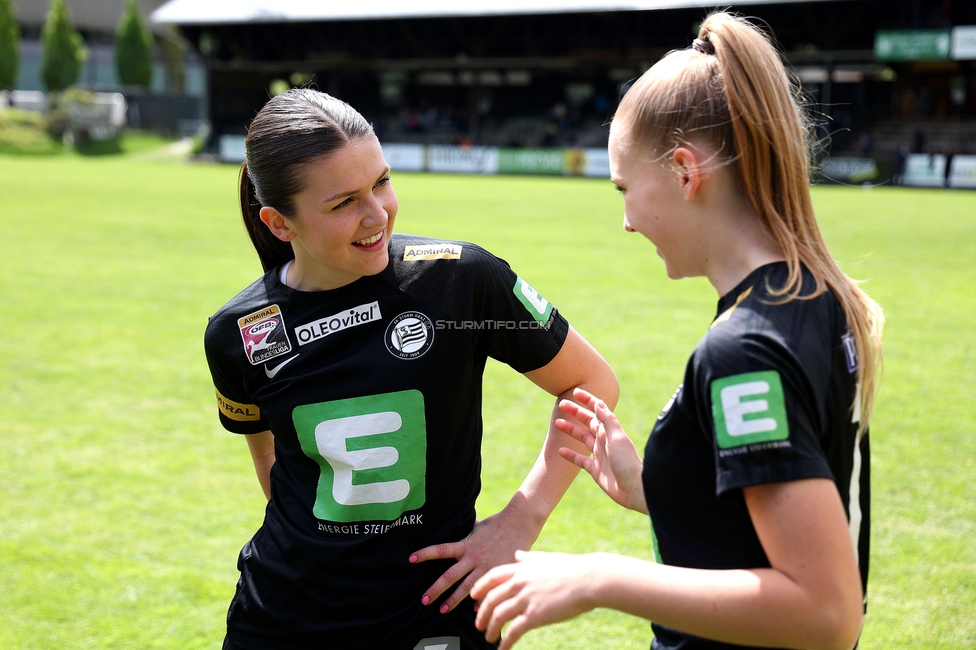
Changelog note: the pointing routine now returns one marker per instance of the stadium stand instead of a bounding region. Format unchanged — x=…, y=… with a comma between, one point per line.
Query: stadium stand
x=548, y=73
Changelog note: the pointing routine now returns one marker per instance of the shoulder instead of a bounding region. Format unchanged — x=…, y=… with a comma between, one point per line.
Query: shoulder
x=425, y=265
x=425, y=253
x=258, y=301
x=758, y=328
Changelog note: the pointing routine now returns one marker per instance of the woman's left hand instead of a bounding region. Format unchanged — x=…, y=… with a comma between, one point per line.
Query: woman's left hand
x=493, y=542
x=540, y=589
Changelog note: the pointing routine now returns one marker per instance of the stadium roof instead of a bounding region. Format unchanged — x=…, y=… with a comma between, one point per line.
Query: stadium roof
x=214, y=12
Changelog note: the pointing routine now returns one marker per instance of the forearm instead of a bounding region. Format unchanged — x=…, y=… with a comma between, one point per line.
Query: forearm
x=551, y=475
x=578, y=365
x=761, y=607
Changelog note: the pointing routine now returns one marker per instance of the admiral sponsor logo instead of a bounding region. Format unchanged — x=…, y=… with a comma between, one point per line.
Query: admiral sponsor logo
x=321, y=328
x=264, y=335
x=236, y=410
x=432, y=252
x=410, y=335
x=258, y=315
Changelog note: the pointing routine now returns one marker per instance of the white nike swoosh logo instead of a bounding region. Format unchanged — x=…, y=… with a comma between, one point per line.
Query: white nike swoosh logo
x=271, y=372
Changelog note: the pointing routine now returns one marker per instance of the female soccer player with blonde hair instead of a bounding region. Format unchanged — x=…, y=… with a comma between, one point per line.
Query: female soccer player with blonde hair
x=755, y=475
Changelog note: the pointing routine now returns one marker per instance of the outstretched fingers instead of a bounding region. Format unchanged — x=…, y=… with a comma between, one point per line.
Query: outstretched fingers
x=586, y=398
x=539, y=589
x=589, y=410
x=577, y=432
x=613, y=461
x=580, y=414
x=519, y=626
x=583, y=462
x=489, y=581
x=496, y=605
x=605, y=416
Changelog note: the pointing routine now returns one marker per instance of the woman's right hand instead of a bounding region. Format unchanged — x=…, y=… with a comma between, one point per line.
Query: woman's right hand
x=613, y=461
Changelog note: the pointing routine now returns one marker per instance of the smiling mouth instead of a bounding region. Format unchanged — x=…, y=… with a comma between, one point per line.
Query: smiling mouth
x=369, y=241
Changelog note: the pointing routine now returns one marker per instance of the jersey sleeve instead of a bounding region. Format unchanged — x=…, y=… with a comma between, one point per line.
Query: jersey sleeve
x=759, y=406
x=521, y=328
x=237, y=411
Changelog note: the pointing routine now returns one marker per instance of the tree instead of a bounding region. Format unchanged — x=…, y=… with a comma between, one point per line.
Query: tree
x=134, y=48
x=9, y=46
x=63, y=48
x=173, y=48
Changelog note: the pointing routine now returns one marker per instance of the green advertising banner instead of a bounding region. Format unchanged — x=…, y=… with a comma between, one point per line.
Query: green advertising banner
x=912, y=45
x=530, y=161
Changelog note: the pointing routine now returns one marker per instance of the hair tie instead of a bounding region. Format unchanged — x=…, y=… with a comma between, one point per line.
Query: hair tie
x=705, y=47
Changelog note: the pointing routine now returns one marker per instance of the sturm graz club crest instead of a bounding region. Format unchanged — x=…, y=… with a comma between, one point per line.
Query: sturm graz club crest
x=409, y=335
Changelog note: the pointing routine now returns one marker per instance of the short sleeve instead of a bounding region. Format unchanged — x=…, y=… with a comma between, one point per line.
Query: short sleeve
x=521, y=327
x=760, y=409
x=237, y=411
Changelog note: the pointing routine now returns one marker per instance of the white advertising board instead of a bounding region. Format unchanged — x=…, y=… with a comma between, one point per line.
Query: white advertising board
x=462, y=160
x=924, y=170
x=596, y=163
x=405, y=157
x=964, y=42
x=846, y=169
x=962, y=172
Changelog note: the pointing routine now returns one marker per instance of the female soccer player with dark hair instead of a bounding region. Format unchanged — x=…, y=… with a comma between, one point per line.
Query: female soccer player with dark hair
x=353, y=366
x=755, y=475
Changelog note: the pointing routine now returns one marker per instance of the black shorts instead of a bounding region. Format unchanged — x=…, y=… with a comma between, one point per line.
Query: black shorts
x=453, y=631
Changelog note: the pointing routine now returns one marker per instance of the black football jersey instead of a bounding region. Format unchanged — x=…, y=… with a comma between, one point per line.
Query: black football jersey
x=374, y=394
x=769, y=395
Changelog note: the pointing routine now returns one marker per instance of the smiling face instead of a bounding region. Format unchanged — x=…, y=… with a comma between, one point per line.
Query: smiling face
x=343, y=218
x=654, y=204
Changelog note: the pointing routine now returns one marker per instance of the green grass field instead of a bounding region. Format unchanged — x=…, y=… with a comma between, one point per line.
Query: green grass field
x=123, y=503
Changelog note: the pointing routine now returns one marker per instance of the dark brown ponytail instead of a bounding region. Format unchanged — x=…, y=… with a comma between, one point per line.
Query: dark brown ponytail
x=271, y=250
x=292, y=129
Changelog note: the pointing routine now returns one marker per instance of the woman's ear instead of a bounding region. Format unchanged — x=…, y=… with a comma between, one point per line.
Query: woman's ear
x=688, y=171
x=275, y=221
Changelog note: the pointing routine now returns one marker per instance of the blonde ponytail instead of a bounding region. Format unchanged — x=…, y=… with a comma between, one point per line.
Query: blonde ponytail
x=731, y=92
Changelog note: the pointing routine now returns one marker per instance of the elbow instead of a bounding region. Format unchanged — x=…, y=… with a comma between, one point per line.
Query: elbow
x=612, y=391
x=601, y=382
x=839, y=626
x=608, y=386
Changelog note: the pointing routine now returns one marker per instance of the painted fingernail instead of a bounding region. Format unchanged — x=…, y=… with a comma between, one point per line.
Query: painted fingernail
x=425, y=600
x=444, y=608
x=413, y=558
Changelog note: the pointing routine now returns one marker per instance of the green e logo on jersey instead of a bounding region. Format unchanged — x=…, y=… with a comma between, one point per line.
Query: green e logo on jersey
x=372, y=453
x=749, y=408
x=538, y=306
